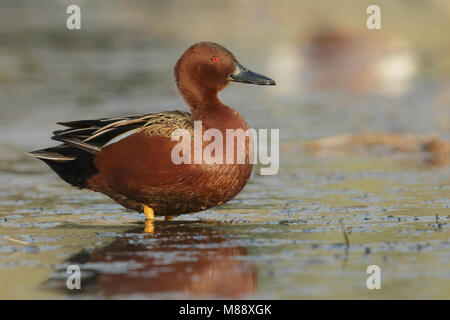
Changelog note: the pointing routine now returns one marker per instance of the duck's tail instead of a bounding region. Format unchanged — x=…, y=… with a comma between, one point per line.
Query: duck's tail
x=73, y=165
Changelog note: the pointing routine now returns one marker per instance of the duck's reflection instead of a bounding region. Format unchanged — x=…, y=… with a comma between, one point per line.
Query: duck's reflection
x=177, y=259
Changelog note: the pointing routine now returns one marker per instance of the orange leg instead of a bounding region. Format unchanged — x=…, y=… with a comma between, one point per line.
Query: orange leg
x=149, y=219
x=168, y=218
x=149, y=213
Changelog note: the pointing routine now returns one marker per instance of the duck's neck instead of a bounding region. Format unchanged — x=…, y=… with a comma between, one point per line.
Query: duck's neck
x=207, y=107
x=203, y=104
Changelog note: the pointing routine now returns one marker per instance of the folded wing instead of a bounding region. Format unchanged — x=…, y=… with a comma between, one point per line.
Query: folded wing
x=83, y=139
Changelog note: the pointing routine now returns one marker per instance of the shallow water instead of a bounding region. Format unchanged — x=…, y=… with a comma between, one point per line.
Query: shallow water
x=280, y=238
x=283, y=236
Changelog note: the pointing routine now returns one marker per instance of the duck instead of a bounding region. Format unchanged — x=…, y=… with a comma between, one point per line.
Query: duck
x=129, y=159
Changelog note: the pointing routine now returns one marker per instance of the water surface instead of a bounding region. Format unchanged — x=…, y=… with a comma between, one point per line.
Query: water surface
x=283, y=236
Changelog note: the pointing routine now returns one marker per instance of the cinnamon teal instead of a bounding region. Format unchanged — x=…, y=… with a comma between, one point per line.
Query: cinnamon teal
x=129, y=158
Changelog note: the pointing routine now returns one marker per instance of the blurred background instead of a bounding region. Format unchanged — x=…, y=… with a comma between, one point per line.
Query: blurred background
x=334, y=75
x=364, y=119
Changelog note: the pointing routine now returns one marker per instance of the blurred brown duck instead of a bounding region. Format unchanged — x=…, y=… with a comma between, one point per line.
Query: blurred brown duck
x=129, y=158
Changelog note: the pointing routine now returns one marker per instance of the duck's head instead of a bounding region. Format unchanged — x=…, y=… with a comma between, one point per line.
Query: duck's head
x=208, y=67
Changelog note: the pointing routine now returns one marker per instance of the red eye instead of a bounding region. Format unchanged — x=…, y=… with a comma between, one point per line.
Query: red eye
x=215, y=59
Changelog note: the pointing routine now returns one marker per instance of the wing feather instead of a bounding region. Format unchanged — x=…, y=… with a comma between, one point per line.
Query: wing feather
x=92, y=135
